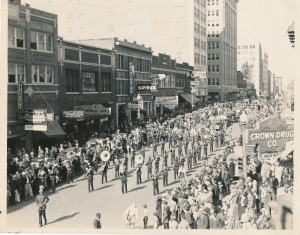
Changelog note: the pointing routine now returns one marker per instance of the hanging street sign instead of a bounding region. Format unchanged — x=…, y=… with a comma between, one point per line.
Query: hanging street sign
x=271, y=135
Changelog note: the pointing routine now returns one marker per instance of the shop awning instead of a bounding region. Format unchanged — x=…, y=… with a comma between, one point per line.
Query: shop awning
x=188, y=98
x=54, y=130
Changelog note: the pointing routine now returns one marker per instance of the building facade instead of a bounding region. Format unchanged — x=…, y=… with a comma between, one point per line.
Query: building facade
x=222, y=44
x=266, y=83
x=32, y=74
x=174, y=27
x=250, y=62
x=86, y=91
x=277, y=85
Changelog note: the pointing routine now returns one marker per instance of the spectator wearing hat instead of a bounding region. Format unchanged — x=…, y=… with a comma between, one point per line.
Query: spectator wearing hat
x=97, y=222
x=166, y=213
x=203, y=221
x=231, y=168
x=145, y=218
x=41, y=201
x=173, y=224
x=158, y=209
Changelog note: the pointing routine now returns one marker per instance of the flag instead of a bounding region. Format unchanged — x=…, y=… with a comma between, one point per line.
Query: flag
x=291, y=33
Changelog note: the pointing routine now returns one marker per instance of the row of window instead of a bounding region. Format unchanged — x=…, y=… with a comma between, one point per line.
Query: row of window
x=202, y=3
x=213, y=13
x=199, y=15
x=213, y=68
x=199, y=44
x=197, y=29
x=246, y=47
x=40, y=74
x=90, y=81
x=199, y=59
x=38, y=41
x=213, y=45
x=141, y=65
x=212, y=2
x=213, y=25
x=213, y=81
x=213, y=56
x=213, y=34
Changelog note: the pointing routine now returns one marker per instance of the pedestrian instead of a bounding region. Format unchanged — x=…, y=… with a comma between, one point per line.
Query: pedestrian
x=176, y=168
x=131, y=215
x=41, y=201
x=166, y=213
x=173, y=223
x=172, y=155
x=190, y=159
x=97, y=222
x=145, y=219
x=231, y=167
x=69, y=172
x=139, y=174
x=117, y=168
x=90, y=177
x=155, y=178
x=124, y=182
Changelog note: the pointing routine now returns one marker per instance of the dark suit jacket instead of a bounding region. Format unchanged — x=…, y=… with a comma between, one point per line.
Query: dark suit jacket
x=166, y=215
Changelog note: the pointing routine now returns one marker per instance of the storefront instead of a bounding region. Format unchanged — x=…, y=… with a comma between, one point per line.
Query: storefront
x=186, y=100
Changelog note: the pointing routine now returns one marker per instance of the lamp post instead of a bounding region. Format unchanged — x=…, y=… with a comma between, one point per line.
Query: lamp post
x=138, y=99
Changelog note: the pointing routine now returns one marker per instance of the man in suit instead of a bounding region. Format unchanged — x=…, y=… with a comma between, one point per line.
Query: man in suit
x=165, y=176
x=155, y=178
x=166, y=213
x=231, y=167
x=149, y=167
x=104, y=172
x=226, y=179
x=41, y=201
x=139, y=174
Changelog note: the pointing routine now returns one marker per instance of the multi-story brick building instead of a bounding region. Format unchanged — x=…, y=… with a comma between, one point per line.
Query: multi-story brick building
x=86, y=79
x=32, y=73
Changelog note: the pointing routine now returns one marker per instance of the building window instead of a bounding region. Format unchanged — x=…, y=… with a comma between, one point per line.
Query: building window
x=122, y=62
x=204, y=60
x=217, y=81
x=212, y=45
x=213, y=68
x=106, y=82
x=212, y=12
x=195, y=42
x=217, y=45
x=208, y=12
x=217, y=12
x=195, y=27
x=208, y=2
x=89, y=82
x=122, y=87
x=217, y=56
x=209, y=81
x=213, y=81
x=16, y=37
x=217, y=68
x=195, y=12
x=208, y=56
x=195, y=58
x=16, y=73
x=213, y=56
x=42, y=74
x=198, y=13
x=208, y=68
x=41, y=41
x=72, y=80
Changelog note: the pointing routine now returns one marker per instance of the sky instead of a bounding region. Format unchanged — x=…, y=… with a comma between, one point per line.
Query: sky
x=267, y=21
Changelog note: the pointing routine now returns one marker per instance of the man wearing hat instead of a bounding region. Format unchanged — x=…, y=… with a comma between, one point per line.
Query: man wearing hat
x=41, y=201
x=124, y=181
x=165, y=176
x=149, y=167
x=90, y=176
x=165, y=214
x=155, y=178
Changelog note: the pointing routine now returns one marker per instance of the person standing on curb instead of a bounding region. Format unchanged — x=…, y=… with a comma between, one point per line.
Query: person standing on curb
x=41, y=201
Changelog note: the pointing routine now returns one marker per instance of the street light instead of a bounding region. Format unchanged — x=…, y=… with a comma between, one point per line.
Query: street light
x=138, y=99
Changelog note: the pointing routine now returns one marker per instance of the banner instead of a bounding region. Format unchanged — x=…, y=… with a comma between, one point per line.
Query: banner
x=131, y=79
x=167, y=100
x=146, y=88
x=73, y=114
x=20, y=96
x=94, y=110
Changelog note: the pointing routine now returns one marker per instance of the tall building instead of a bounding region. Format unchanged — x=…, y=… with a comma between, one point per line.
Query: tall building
x=265, y=71
x=174, y=27
x=32, y=77
x=277, y=85
x=222, y=43
x=250, y=62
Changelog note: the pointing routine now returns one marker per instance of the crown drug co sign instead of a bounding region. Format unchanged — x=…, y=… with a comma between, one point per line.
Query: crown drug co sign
x=271, y=135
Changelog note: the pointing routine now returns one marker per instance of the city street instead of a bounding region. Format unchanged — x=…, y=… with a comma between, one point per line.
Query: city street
x=72, y=206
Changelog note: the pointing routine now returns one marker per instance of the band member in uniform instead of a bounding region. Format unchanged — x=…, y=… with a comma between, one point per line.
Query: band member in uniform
x=189, y=159
x=162, y=150
x=165, y=157
x=41, y=201
x=195, y=158
x=90, y=176
x=117, y=168
x=149, y=167
x=205, y=149
x=172, y=155
x=176, y=167
x=155, y=178
x=165, y=176
x=124, y=181
x=104, y=171
x=139, y=174
x=156, y=163
x=182, y=176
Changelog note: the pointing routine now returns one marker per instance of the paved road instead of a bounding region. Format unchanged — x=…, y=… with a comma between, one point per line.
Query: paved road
x=72, y=206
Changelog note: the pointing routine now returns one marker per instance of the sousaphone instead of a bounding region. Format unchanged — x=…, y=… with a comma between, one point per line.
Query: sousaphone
x=105, y=155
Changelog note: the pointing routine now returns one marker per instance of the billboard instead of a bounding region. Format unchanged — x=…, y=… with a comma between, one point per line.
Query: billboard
x=35, y=116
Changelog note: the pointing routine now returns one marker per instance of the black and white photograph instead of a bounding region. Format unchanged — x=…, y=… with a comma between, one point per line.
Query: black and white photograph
x=135, y=115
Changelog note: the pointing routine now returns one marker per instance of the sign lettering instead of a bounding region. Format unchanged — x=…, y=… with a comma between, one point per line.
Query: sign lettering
x=35, y=116
x=131, y=78
x=20, y=96
x=146, y=88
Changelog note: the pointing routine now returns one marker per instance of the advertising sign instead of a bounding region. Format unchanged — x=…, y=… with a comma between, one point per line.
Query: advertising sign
x=146, y=88
x=131, y=78
x=20, y=96
x=50, y=117
x=36, y=127
x=73, y=114
x=271, y=135
x=94, y=110
x=167, y=100
x=35, y=116
x=199, y=74
x=288, y=117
